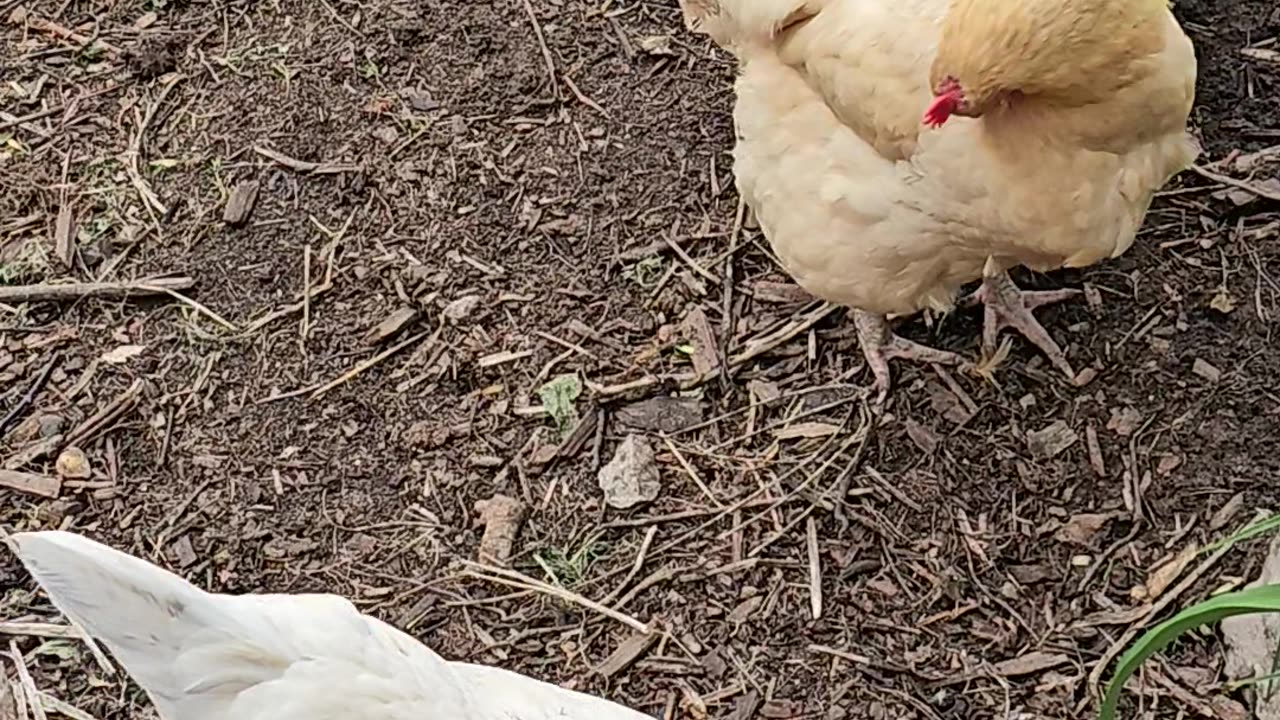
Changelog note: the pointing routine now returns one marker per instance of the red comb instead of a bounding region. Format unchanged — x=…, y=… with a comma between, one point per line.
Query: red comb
x=942, y=107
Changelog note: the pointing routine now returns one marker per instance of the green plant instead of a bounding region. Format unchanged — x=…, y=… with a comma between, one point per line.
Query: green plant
x=1264, y=599
x=645, y=273
x=568, y=568
x=558, y=398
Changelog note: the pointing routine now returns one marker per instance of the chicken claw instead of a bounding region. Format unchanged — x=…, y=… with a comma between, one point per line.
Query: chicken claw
x=1007, y=306
x=879, y=345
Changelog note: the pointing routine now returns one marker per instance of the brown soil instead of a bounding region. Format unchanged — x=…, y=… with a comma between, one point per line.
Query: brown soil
x=451, y=166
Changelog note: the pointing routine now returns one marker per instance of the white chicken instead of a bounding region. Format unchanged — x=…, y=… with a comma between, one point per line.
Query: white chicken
x=1072, y=114
x=201, y=656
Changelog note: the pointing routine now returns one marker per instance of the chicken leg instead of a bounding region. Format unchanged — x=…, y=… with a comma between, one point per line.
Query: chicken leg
x=1007, y=306
x=879, y=345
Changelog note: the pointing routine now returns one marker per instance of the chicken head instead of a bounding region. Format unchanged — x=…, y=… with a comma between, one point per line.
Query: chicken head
x=1067, y=53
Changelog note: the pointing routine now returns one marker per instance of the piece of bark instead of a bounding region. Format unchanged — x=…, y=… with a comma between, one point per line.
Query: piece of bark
x=240, y=204
x=698, y=331
x=64, y=233
x=625, y=655
x=502, y=517
x=661, y=414
x=31, y=484
x=391, y=326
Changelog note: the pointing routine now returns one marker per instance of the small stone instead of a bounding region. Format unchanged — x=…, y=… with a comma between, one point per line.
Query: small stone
x=631, y=477
x=1124, y=421
x=72, y=464
x=420, y=100
x=1206, y=371
x=51, y=425
x=656, y=45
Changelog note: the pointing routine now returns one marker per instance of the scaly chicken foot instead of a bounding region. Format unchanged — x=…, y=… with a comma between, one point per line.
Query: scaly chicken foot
x=879, y=345
x=1006, y=306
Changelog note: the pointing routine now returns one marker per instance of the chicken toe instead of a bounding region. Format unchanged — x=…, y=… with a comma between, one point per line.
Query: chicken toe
x=1007, y=306
x=880, y=345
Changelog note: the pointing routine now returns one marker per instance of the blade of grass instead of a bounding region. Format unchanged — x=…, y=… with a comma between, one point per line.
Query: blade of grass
x=1265, y=599
x=1262, y=527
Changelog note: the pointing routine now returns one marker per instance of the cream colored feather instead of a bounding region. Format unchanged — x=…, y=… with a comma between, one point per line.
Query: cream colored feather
x=202, y=656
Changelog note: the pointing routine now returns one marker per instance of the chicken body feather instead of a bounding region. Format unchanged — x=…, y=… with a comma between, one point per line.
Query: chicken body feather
x=202, y=656
x=867, y=208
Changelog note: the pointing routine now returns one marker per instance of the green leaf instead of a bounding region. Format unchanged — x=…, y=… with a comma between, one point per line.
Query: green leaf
x=61, y=649
x=1265, y=599
x=558, y=397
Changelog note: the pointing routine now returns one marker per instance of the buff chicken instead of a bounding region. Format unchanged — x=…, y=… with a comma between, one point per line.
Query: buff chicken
x=895, y=150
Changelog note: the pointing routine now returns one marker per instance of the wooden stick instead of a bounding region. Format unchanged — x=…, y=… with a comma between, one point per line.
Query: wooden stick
x=365, y=365
x=46, y=292
x=512, y=578
x=815, y=568
x=108, y=414
x=11, y=417
x=28, y=685
x=1241, y=184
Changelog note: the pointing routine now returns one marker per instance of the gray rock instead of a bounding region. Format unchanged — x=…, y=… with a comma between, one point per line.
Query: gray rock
x=631, y=477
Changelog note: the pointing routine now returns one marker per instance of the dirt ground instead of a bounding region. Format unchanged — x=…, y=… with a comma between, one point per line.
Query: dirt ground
x=479, y=198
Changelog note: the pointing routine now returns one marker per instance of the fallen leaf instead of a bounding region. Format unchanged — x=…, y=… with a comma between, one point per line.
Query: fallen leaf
x=703, y=354
x=1168, y=464
x=922, y=436
x=1081, y=529
x=1163, y=576
x=502, y=517
x=745, y=609
x=1227, y=512
x=1223, y=302
x=656, y=44
x=661, y=414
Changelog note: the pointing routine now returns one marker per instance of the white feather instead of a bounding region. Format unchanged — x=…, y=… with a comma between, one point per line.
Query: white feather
x=202, y=656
